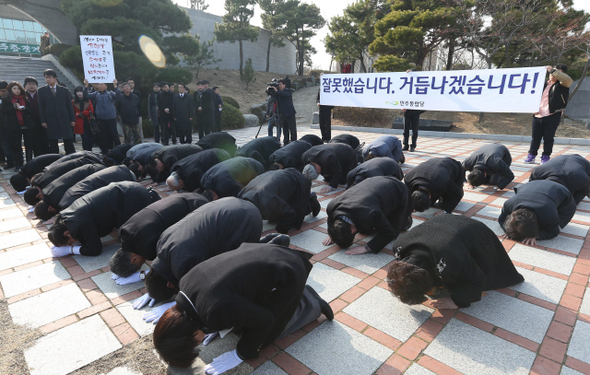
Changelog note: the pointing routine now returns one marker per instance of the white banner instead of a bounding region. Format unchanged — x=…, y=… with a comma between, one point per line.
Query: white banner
x=514, y=90
x=97, y=55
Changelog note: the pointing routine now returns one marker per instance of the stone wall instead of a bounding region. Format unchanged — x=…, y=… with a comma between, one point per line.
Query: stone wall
x=579, y=106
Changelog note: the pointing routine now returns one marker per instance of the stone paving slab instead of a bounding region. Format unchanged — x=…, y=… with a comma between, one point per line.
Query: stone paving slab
x=18, y=257
x=579, y=347
x=542, y=286
x=416, y=369
x=367, y=263
x=542, y=258
x=8, y=213
x=329, y=282
x=380, y=309
x=18, y=238
x=71, y=347
x=492, y=224
x=49, y=307
x=111, y=289
x=310, y=240
x=350, y=352
x=269, y=368
x=472, y=351
x=563, y=243
x=576, y=229
x=135, y=317
x=33, y=278
x=569, y=371
x=511, y=314
x=97, y=262
x=585, y=308
x=12, y=224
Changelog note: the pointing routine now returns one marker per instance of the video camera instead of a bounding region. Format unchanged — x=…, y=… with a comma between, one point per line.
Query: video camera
x=272, y=86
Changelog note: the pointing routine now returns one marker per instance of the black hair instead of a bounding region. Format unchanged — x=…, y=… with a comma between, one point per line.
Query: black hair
x=50, y=73
x=522, y=223
x=157, y=286
x=207, y=194
x=56, y=232
x=77, y=100
x=19, y=181
x=421, y=200
x=156, y=84
x=134, y=167
x=121, y=265
x=561, y=67
x=109, y=162
x=42, y=211
x=130, y=79
x=163, y=83
x=30, y=196
x=476, y=177
x=340, y=232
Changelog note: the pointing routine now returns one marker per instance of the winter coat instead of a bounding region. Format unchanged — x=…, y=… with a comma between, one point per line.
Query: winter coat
x=347, y=139
x=141, y=232
x=255, y=290
x=182, y=109
x=380, y=205
x=290, y=155
x=171, y=154
x=96, y=214
x=119, y=152
x=459, y=253
x=281, y=196
x=385, y=146
x=153, y=109
x=442, y=177
x=128, y=107
x=551, y=202
x=312, y=139
x=10, y=116
x=572, y=171
x=220, y=140
x=94, y=182
x=86, y=111
x=373, y=168
x=59, y=168
x=192, y=168
x=230, y=176
x=211, y=229
x=494, y=160
x=55, y=191
x=38, y=163
x=260, y=149
x=335, y=159
x=105, y=103
x=142, y=153
x=57, y=111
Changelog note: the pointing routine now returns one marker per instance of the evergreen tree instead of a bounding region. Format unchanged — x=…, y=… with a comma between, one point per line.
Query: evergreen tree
x=249, y=73
x=274, y=20
x=303, y=21
x=199, y=4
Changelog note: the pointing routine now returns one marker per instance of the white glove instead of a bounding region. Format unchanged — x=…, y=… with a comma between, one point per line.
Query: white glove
x=62, y=251
x=210, y=337
x=224, y=362
x=21, y=192
x=31, y=208
x=157, y=312
x=134, y=278
x=146, y=299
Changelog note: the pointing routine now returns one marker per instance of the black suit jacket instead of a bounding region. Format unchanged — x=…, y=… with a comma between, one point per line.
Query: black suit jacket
x=57, y=111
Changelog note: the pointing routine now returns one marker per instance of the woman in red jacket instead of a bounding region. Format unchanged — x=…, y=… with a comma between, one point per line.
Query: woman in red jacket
x=18, y=123
x=83, y=109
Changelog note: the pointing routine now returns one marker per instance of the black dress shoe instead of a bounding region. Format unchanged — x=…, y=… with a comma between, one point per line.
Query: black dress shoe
x=413, y=148
x=324, y=306
x=406, y=148
x=282, y=240
x=315, y=205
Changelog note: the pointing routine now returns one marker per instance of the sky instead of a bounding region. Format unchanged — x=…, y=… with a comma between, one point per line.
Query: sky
x=328, y=9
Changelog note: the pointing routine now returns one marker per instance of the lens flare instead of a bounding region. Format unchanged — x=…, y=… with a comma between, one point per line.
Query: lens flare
x=152, y=51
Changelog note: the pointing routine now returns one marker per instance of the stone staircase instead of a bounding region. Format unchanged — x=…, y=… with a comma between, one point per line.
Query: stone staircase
x=17, y=68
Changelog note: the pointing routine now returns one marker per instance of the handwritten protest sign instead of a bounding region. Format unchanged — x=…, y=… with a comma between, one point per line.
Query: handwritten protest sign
x=97, y=55
x=514, y=90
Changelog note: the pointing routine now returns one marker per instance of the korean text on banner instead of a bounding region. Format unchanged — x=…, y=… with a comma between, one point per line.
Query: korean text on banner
x=97, y=55
x=514, y=90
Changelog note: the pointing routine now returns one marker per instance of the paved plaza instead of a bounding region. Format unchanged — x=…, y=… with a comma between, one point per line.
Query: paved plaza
x=79, y=316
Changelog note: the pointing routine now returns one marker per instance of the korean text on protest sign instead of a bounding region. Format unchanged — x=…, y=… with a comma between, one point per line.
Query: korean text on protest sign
x=97, y=55
x=514, y=90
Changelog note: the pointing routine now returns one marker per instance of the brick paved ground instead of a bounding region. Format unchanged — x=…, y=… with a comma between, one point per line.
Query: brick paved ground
x=541, y=326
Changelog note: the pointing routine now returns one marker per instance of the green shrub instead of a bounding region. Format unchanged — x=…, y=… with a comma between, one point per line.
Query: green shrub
x=148, y=129
x=57, y=49
x=231, y=117
x=72, y=58
x=231, y=101
x=257, y=110
x=176, y=75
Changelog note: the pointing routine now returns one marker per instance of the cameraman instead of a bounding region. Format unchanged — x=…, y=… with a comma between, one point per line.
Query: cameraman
x=286, y=110
x=272, y=109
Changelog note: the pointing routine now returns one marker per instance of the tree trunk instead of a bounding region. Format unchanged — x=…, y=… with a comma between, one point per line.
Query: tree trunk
x=301, y=57
x=581, y=78
x=363, y=67
x=241, y=60
x=450, y=55
x=268, y=54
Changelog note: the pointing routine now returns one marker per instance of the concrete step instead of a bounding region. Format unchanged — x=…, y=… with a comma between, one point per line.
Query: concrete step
x=14, y=69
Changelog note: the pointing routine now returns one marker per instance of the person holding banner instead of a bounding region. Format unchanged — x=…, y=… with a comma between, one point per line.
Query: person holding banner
x=546, y=120
x=106, y=114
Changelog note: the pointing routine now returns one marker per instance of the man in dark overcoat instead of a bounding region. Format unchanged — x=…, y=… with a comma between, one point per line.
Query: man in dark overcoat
x=449, y=255
x=332, y=160
x=95, y=215
x=139, y=235
x=182, y=108
x=259, y=290
x=164, y=158
x=385, y=146
x=95, y=181
x=436, y=180
x=379, y=205
x=572, y=171
x=347, y=139
x=373, y=168
x=166, y=117
x=52, y=193
x=537, y=211
x=490, y=165
x=289, y=156
x=220, y=140
x=139, y=157
x=57, y=113
x=283, y=196
x=22, y=178
x=260, y=149
x=211, y=229
x=186, y=173
x=227, y=178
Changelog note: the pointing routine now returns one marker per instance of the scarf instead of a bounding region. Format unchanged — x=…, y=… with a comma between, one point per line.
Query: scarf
x=20, y=99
